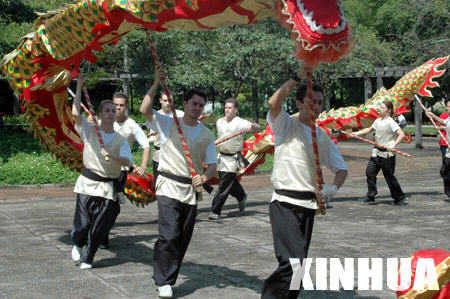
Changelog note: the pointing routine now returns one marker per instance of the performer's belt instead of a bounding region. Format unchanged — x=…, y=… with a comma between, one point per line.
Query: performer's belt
x=156, y=147
x=119, y=182
x=184, y=180
x=240, y=158
x=296, y=194
x=228, y=154
x=381, y=149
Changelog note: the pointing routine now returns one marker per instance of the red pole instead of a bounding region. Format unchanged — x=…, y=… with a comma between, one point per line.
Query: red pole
x=374, y=143
x=319, y=179
x=94, y=118
x=432, y=120
x=229, y=137
x=187, y=155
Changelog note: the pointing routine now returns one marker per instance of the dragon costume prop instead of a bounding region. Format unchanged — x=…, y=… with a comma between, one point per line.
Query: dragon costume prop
x=45, y=62
x=441, y=290
x=418, y=81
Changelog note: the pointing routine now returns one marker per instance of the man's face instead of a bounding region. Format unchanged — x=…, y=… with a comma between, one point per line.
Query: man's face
x=230, y=110
x=194, y=107
x=164, y=103
x=317, y=98
x=447, y=107
x=108, y=113
x=121, y=107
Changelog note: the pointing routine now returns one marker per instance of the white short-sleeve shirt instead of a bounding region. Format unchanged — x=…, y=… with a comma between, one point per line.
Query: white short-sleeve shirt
x=163, y=125
x=125, y=150
x=280, y=127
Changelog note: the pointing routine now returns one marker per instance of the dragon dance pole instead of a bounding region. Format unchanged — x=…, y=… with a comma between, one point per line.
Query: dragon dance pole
x=432, y=120
x=82, y=105
x=94, y=118
x=374, y=143
x=229, y=137
x=187, y=155
x=319, y=178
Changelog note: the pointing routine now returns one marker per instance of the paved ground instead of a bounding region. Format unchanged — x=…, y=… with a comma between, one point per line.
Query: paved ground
x=229, y=258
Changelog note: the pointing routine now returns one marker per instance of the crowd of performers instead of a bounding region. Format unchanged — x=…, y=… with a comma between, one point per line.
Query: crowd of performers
x=293, y=204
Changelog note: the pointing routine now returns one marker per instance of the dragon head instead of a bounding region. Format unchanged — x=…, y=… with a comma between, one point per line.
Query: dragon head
x=319, y=27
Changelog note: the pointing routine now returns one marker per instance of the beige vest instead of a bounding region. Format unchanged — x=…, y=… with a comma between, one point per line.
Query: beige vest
x=234, y=145
x=384, y=136
x=172, y=161
x=126, y=131
x=157, y=141
x=94, y=161
x=294, y=167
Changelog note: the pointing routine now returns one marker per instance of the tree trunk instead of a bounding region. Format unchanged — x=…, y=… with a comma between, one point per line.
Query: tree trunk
x=255, y=100
x=367, y=89
x=418, y=122
x=125, y=80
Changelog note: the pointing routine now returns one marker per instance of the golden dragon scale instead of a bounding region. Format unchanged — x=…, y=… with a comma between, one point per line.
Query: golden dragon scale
x=41, y=68
x=418, y=81
x=45, y=62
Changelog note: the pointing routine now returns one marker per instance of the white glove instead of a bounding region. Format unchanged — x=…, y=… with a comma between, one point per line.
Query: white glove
x=329, y=191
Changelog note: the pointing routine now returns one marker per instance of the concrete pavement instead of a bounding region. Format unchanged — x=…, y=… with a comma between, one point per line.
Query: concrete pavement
x=228, y=258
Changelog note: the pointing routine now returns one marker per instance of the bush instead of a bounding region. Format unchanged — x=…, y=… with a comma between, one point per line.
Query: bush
x=34, y=168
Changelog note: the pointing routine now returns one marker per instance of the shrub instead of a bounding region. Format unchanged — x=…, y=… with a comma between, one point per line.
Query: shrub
x=34, y=168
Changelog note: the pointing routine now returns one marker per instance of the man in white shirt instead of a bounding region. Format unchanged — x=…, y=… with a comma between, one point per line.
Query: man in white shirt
x=155, y=139
x=445, y=168
x=293, y=204
x=230, y=159
x=97, y=186
x=177, y=190
x=132, y=132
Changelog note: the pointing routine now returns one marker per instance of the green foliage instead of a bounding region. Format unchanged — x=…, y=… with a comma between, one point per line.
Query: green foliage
x=34, y=168
x=14, y=142
x=15, y=119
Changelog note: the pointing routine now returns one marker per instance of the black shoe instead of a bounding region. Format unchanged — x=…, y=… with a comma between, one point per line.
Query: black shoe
x=400, y=202
x=242, y=204
x=105, y=242
x=366, y=199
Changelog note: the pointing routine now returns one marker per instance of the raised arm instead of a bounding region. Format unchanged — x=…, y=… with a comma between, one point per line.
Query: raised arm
x=435, y=117
x=282, y=93
x=76, y=105
x=253, y=127
x=147, y=103
x=364, y=131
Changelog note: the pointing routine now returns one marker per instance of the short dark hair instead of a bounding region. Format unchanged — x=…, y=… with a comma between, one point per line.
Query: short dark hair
x=194, y=91
x=103, y=103
x=389, y=105
x=120, y=95
x=233, y=101
x=446, y=101
x=301, y=91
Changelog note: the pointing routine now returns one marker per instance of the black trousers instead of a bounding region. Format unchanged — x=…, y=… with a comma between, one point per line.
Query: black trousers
x=228, y=185
x=443, y=151
x=176, y=222
x=387, y=165
x=92, y=221
x=155, y=172
x=445, y=173
x=291, y=229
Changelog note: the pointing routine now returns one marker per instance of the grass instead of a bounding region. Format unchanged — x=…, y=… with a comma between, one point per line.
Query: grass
x=425, y=131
